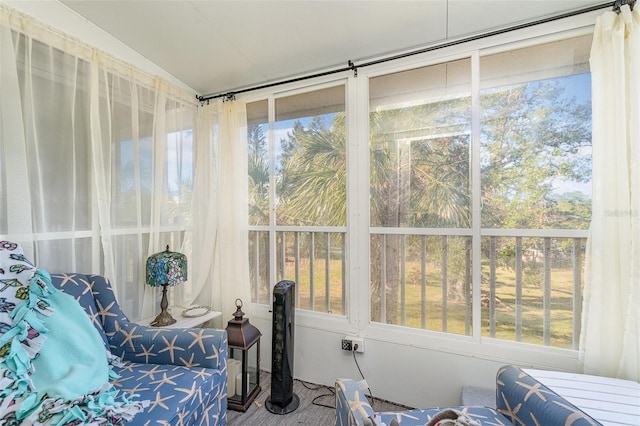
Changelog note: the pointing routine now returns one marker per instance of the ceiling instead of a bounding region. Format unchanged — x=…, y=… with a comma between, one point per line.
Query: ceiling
x=219, y=46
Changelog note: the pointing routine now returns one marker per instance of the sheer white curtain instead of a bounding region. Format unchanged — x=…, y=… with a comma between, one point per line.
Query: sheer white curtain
x=232, y=244
x=610, y=342
x=98, y=165
x=220, y=209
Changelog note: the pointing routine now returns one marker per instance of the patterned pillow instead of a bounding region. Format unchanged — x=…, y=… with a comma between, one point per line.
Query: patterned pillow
x=54, y=368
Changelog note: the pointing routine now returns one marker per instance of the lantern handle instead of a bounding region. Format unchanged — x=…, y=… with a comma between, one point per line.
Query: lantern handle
x=238, y=314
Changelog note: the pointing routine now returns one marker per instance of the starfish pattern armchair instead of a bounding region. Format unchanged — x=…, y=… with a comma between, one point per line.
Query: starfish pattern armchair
x=353, y=409
x=521, y=400
x=181, y=372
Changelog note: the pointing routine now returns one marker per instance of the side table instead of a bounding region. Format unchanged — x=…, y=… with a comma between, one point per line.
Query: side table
x=185, y=322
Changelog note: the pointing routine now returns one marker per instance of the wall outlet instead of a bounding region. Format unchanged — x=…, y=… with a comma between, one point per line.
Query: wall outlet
x=351, y=344
x=347, y=345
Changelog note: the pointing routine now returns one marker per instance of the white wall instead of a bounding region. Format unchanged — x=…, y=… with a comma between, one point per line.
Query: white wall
x=416, y=369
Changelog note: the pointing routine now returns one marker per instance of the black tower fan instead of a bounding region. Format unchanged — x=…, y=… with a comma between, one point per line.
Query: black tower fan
x=282, y=399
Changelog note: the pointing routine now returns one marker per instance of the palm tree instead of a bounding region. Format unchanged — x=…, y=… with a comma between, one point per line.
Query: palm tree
x=416, y=180
x=419, y=178
x=258, y=168
x=258, y=176
x=312, y=187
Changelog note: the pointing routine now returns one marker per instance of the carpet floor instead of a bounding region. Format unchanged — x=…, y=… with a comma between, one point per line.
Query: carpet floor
x=316, y=408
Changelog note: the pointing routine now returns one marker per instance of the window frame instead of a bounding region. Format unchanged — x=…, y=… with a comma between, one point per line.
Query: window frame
x=273, y=228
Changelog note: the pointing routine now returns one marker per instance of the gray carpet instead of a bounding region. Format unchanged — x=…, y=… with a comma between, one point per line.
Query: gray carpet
x=307, y=414
x=478, y=396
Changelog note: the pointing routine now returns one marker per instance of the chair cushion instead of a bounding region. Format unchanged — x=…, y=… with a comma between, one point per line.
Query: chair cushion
x=176, y=394
x=483, y=415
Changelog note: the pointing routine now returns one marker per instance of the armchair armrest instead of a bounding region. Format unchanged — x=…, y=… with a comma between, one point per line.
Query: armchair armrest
x=352, y=406
x=524, y=400
x=190, y=347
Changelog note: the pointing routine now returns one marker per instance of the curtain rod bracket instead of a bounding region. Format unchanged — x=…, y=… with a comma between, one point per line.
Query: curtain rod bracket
x=229, y=97
x=619, y=3
x=202, y=99
x=353, y=68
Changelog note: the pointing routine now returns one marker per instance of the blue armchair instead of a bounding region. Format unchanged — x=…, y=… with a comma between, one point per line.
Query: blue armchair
x=353, y=409
x=181, y=372
x=520, y=400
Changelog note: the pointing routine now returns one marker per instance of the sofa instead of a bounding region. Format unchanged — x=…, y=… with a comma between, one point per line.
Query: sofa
x=180, y=372
x=520, y=400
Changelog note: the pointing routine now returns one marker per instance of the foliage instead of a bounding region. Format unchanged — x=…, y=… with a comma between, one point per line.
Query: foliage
x=532, y=137
x=313, y=174
x=258, y=159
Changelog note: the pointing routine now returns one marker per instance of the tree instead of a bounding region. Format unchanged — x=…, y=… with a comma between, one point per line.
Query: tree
x=419, y=178
x=258, y=158
x=532, y=135
x=258, y=170
x=313, y=184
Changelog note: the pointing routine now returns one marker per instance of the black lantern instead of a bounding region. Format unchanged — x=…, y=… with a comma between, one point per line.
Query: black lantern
x=243, y=365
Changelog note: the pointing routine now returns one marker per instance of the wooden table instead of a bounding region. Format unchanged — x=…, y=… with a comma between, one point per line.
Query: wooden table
x=612, y=402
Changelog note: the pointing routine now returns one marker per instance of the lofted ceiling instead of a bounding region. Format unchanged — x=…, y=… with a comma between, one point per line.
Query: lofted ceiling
x=217, y=46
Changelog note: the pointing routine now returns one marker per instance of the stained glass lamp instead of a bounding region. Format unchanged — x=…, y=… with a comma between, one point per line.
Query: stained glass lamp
x=166, y=268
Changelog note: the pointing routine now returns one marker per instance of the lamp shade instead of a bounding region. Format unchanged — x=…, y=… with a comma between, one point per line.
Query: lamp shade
x=166, y=268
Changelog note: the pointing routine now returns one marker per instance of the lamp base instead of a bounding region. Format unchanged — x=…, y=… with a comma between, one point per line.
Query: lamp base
x=163, y=319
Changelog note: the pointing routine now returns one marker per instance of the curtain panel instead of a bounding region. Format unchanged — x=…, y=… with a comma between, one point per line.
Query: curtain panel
x=102, y=165
x=610, y=340
x=220, y=209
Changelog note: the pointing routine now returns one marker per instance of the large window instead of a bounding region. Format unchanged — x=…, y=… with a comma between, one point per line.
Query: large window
x=420, y=174
x=479, y=178
x=297, y=190
x=535, y=161
x=532, y=159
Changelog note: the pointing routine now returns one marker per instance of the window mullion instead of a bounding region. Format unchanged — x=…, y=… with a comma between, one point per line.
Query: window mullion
x=358, y=245
x=273, y=270
x=476, y=196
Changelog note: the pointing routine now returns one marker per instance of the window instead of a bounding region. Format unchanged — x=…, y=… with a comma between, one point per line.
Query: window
x=297, y=190
x=535, y=161
x=420, y=182
x=534, y=169
x=98, y=172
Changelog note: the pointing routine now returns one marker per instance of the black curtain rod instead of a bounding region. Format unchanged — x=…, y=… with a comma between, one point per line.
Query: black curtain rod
x=615, y=5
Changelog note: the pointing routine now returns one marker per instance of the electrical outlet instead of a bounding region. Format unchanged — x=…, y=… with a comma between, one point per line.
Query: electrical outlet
x=353, y=344
x=346, y=345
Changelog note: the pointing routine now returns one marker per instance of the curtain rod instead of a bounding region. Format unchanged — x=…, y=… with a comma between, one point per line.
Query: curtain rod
x=615, y=5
